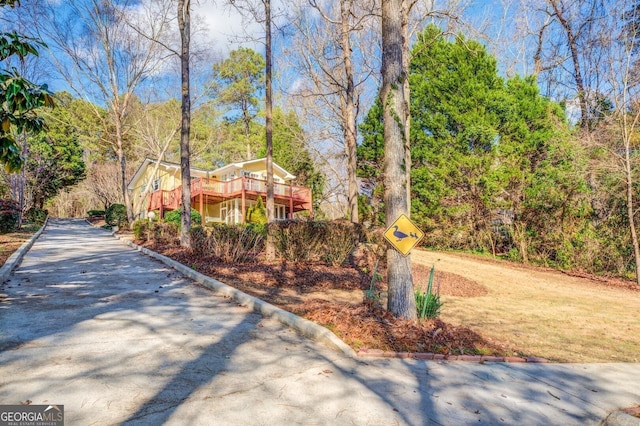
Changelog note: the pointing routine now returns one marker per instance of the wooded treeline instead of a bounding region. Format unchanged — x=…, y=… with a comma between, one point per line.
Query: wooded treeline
x=521, y=134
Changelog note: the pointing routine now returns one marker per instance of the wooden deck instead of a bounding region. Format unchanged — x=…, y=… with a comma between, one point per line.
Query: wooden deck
x=212, y=191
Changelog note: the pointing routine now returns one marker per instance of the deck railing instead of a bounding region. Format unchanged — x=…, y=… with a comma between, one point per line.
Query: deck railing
x=171, y=199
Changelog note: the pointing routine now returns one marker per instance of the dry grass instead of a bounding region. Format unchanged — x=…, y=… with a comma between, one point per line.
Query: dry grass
x=551, y=314
x=12, y=241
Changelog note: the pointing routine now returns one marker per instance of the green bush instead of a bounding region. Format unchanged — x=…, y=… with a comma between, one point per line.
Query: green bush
x=428, y=304
x=140, y=229
x=175, y=216
x=116, y=215
x=36, y=215
x=9, y=215
x=257, y=214
x=95, y=213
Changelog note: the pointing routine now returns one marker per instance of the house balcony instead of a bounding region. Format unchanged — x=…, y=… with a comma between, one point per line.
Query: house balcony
x=213, y=191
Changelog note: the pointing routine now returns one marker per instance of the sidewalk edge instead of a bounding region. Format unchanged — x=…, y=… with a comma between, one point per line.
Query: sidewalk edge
x=305, y=327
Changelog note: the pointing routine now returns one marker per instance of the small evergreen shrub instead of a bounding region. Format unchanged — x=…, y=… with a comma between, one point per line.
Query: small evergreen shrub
x=116, y=215
x=258, y=213
x=36, y=215
x=9, y=215
x=175, y=216
x=140, y=229
x=95, y=213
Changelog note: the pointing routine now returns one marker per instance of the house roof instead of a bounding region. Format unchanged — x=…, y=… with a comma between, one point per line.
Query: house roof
x=203, y=173
x=239, y=166
x=165, y=164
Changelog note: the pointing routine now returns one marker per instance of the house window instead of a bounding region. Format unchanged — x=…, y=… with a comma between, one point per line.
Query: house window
x=280, y=212
x=155, y=185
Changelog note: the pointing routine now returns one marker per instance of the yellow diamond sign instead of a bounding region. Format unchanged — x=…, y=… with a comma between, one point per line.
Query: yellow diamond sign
x=403, y=235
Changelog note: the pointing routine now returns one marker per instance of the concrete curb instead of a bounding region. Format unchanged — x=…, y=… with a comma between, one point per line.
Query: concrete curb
x=305, y=327
x=620, y=418
x=15, y=259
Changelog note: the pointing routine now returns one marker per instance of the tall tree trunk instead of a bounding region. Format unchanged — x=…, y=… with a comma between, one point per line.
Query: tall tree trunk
x=573, y=49
x=406, y=59
x=401, y=301
x=184, y=24
x=349, y=112
x=122, y=162
x=270, y=205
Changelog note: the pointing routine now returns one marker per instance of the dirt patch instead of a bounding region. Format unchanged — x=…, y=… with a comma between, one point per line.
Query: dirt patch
x=12, y=241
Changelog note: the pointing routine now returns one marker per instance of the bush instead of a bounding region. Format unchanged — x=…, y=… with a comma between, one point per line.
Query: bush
x=340, y=240
x=9, y=215
x=95, y=213
x=199, y=237
x=36, y=215
x=298, y=240
x=116, y=215
x=175, y=216
x=140, y=229
x=163, y=232
x=257, y=214
x=234, y=243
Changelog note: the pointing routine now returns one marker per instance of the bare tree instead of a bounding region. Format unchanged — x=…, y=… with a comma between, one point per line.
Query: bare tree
x=329, y=35
x=103, y=61
x=619, y=137
x=261, y=12
x=401, y=300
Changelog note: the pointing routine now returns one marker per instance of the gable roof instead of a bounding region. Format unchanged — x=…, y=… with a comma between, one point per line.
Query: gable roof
x=165, y=164
x=203, y=173
x=239, y=166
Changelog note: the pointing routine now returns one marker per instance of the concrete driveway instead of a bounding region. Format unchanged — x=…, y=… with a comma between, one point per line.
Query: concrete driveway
x=119, y=338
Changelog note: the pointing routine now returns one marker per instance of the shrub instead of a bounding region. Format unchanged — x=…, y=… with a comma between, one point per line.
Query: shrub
x=9, y=215
x=36, y=215
x=340, y=239
x=116, y=215
x=257, y=214
x=298, y=240
x=175, y=216
x=140, y=229
x=199, y=240
x=163, y=232
x=234, y=243
x=428, y=304
x=95, y=213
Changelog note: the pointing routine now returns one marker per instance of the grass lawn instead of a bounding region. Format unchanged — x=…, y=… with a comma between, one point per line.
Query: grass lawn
x=548, y=313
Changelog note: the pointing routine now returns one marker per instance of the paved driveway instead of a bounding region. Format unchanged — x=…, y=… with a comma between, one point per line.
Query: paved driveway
x=117, y=337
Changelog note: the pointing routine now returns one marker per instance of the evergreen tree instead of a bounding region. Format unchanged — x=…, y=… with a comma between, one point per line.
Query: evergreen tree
x=20, y=98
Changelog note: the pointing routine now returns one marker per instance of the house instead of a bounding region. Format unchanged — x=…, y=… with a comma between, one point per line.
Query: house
x=222, y=195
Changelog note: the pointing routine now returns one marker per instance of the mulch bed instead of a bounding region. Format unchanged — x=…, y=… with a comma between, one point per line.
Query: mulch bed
x=363, y=323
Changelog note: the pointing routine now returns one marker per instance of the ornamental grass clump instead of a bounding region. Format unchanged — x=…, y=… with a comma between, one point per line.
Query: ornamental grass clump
x=428, y=303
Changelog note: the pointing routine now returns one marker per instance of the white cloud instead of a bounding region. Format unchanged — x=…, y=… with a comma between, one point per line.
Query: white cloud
x=225, y=26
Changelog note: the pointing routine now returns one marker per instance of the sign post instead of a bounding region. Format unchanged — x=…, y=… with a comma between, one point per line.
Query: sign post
x=403, y=235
